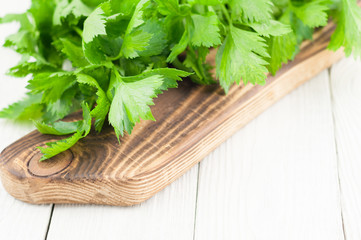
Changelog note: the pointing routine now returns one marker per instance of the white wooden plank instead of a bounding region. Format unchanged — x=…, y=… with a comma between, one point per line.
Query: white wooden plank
x=346, y=93
x=276, y=179
x=168, y=215
x=18, y=220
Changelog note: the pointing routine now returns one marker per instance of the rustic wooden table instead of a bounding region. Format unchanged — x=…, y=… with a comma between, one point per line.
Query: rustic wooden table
x=292, y=173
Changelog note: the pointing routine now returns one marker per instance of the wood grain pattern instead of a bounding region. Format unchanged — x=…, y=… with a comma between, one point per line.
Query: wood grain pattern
x=346, y=96
x=191, y=122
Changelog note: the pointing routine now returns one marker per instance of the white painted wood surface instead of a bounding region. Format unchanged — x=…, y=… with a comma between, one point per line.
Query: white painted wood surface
x=277, y=177
x=18, y=220
x=167, y=216
x=346, y=103
x=293, y=173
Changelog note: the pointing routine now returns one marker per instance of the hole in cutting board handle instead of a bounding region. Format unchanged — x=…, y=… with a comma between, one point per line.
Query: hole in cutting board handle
x=51, y=166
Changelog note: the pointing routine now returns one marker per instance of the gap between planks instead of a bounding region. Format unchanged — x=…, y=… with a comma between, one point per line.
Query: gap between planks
x=336, y=151
x=346, y=91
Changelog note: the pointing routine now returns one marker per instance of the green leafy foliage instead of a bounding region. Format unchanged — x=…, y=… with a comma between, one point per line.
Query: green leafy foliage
x=282, y=47
x=28, y=108
x=131, y=102
x=252, y=10
x=100, y=112
x=53, y=85
x=54, y=148
x=272, y=28
x=73, y=52
x=121, y=54
x=132, y=96
x=206, y=30
x=313, y=13
x=245, y=61
x=57, y=128
x=348, y=31
x=71, y=11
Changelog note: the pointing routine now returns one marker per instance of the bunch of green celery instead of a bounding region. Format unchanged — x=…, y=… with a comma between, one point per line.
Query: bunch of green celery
x=124, y=53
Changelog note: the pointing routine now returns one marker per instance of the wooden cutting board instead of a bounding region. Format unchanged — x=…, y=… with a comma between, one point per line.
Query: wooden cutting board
x=191, y=122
